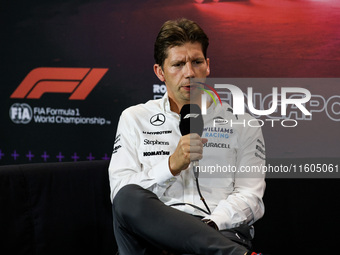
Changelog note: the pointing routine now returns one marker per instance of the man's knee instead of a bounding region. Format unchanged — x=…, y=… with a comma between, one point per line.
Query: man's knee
x=130, y=199
x=127, y=192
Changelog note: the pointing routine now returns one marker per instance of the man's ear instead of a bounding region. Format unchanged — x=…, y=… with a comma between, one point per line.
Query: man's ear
x=159, y=72
x=208, y=66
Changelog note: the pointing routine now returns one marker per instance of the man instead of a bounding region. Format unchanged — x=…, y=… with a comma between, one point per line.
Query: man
x=156, y=203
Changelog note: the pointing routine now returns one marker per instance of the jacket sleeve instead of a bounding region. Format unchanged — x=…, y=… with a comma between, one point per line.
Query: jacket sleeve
x=125, y=165
x=245, y=204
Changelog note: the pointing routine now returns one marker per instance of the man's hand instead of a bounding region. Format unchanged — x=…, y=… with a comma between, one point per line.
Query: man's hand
x=189, y=148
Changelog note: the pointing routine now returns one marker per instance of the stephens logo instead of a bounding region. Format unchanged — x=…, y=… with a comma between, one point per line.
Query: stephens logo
x=20, y=113
x=77, y=81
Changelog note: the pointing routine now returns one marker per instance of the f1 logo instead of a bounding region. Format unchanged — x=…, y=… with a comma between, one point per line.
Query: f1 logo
x=78, y=81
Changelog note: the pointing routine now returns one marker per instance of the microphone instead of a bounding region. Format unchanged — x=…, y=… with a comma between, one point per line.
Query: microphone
x=191, y=122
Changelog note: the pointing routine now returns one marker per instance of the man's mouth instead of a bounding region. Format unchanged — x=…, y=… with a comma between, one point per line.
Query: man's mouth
x=186, y=87
x=189, y=87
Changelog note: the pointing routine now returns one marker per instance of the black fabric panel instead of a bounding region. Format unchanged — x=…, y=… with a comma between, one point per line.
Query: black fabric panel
x=70, y=209
x=16, y=225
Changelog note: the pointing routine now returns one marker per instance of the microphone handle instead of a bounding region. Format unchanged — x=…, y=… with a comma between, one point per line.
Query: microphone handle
x=195, y=165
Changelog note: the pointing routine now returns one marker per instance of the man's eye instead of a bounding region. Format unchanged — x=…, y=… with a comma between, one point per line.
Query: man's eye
x=198, y=62
x=178, y=64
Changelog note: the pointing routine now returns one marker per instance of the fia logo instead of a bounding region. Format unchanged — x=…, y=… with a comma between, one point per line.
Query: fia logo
x=20, y=113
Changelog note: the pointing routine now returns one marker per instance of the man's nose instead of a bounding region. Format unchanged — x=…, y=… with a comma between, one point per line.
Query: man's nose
x=189, y=71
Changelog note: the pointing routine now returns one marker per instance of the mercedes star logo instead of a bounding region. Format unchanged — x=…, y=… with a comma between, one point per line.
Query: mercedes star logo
x=158, y=119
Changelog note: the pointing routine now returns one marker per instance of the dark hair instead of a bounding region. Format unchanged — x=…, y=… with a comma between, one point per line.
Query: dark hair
x=176, y=33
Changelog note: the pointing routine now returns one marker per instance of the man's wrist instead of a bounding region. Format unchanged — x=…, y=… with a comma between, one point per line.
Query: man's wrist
x=173, y=171
x=210, y=223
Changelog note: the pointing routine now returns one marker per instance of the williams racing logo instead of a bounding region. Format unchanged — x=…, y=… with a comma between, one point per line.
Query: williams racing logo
x=217, y=132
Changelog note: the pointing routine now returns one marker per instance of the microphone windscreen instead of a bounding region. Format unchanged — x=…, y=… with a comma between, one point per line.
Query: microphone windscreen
x=191, y=119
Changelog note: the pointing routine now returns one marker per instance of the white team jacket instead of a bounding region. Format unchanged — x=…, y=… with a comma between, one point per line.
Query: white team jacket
x=148, y=134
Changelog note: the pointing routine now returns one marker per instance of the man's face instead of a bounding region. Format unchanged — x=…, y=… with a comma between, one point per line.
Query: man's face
x=182, y=64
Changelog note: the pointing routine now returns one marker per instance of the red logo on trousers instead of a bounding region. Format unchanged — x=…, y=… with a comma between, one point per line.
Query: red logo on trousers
x=78, y=81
